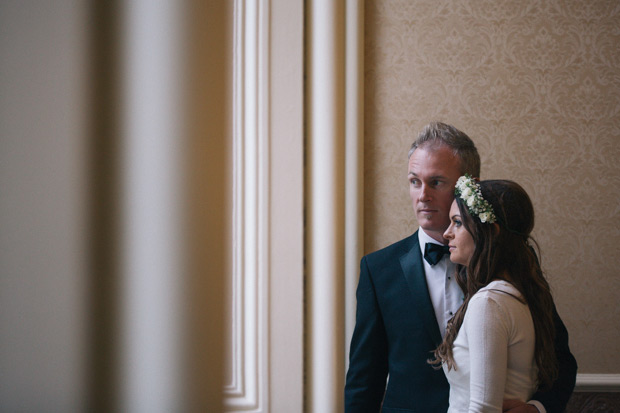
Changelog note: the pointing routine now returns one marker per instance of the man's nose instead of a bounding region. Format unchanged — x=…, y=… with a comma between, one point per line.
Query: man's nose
x=424, y=194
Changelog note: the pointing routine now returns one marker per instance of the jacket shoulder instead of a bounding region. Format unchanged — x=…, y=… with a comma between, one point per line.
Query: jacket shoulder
x=392, y=251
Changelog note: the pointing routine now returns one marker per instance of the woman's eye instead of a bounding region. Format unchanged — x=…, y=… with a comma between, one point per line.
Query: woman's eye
x=457, y=223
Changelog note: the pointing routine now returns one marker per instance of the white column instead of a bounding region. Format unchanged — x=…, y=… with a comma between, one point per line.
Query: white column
x=325, y=205
x=151, y=212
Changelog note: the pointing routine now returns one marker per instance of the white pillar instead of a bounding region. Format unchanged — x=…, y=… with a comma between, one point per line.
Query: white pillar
x=325, y=205
x=151, y=270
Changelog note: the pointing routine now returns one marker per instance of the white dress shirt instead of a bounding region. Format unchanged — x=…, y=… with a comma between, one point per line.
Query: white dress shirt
x=443, y=289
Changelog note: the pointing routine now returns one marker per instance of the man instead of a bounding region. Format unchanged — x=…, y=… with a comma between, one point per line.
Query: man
x=404, y=300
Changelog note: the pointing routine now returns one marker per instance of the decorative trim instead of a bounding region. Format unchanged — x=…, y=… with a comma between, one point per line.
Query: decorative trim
x=247, y=387
x=598, y=383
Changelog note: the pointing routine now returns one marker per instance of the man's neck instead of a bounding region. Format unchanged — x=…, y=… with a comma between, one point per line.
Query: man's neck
x=436, y=236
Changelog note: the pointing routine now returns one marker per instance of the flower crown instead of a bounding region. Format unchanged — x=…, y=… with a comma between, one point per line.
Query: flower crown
x=469, y=191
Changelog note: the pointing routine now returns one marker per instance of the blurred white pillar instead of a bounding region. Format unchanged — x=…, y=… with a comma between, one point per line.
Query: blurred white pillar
x=98, y=309
x=152, y=140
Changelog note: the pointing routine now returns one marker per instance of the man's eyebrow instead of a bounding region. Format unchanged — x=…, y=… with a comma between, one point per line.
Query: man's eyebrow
x=440, y=177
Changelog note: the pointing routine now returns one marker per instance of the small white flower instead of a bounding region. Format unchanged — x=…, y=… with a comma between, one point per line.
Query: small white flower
x=470, y=201
x=465, y=192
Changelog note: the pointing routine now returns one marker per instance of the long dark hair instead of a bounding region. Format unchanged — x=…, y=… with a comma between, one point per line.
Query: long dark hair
x=506, y=251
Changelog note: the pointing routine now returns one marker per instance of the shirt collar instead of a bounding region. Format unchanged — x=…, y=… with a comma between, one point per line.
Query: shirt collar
x=424, y=238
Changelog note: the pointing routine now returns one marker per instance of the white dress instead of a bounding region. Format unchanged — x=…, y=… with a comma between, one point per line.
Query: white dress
x=493, y=352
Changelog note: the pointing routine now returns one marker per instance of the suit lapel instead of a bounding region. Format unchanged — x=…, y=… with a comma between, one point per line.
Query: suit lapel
x=413, y=270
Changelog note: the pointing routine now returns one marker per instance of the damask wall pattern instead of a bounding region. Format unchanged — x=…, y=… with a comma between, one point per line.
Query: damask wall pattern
x=536, y=84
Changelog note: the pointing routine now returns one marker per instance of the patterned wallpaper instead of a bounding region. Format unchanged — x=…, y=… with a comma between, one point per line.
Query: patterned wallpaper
x=536, y=84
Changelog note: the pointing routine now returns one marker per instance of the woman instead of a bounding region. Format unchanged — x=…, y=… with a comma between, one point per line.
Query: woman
x=499, y=344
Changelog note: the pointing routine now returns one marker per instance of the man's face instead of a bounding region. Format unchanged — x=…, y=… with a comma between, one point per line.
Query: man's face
x=433, y=173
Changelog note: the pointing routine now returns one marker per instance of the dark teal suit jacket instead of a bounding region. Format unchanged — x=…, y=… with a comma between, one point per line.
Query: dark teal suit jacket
x=396, y=332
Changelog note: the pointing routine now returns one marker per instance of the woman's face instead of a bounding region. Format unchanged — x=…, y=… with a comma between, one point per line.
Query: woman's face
x=459, y=239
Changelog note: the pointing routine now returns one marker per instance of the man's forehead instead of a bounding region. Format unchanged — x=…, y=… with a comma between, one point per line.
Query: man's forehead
x=433, y=163
x=433, y=169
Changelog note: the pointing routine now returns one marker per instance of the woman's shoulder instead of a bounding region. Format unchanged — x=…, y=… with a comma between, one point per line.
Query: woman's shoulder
x=499, y=300
x=499, y=288
x=498, y=292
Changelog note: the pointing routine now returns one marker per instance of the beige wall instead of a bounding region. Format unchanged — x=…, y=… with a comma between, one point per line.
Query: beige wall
x=537, y=87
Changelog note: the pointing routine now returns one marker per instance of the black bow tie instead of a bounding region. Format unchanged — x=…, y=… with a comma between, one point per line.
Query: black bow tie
x=434, y=252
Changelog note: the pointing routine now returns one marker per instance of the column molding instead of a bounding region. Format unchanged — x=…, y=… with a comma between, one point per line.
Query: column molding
x=246, y=386
x=265, y=363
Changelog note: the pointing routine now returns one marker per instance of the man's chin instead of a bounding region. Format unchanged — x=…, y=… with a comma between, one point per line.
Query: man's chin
x=432, y=226
x=429, y=222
